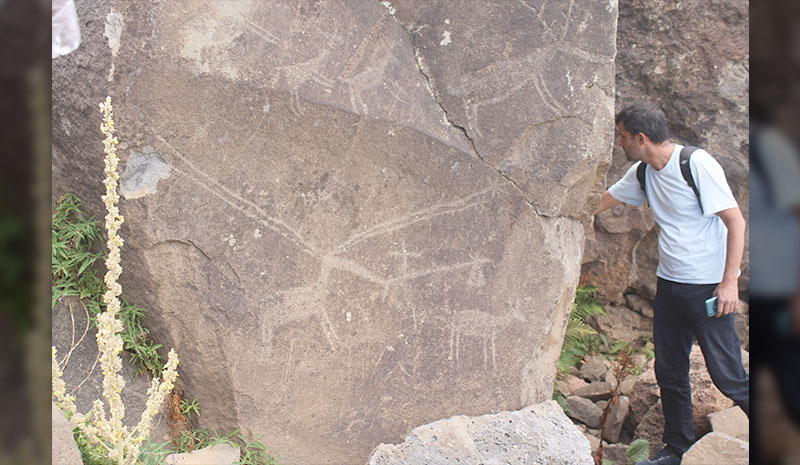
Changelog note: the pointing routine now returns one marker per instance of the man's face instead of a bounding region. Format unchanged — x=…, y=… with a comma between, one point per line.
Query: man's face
x=632, y=150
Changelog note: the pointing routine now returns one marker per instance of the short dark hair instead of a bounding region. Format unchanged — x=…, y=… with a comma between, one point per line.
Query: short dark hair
x=644, y=117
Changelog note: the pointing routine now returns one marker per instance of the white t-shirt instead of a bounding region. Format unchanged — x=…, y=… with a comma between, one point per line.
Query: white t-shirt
x=691, y=244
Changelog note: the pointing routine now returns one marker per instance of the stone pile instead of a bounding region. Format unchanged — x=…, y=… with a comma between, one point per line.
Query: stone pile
x=636, y=412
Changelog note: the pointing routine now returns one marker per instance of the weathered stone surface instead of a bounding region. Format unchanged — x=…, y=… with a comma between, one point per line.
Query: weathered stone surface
x=570, y=383
x=651, y=425
x=732, y=422
x=594, y=370
x=534, y=435
x=615, y=453
x=717, y=448
x=627, y=385
x=623, y=324
x=640, y=304
x=584, y=410
x=645, y=394
x=65, y=451
x=218, y=454
x=598, y=390
x=76, y=342
x=669, y=54
x=362, y=217
x=616, y=418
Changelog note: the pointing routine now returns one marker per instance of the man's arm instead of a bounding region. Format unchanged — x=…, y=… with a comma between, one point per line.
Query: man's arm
x=728, y=290
x=607, y=202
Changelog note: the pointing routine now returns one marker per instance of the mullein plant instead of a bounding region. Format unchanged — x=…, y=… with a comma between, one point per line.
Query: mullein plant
x=108, y=433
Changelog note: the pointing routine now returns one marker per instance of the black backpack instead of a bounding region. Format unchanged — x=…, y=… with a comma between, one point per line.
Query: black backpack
x=686, y=154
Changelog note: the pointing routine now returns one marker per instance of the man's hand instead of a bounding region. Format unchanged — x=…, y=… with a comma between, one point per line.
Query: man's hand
x=607, y=202
x=727, y=297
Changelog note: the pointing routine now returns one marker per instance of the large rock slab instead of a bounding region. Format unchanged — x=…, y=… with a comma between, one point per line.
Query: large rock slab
x=540, y=434
x=345, y=216
x=669, y=53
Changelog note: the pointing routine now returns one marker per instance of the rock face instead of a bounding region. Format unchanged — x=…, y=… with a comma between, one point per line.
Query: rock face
x=540, y=434
x=669, y=53
x=349, y=218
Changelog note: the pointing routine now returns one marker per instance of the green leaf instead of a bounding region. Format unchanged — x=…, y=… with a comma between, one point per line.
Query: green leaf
x=637, y=451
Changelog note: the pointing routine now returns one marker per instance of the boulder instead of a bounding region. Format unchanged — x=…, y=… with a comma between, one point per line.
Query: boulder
x=645, y=394
x=717, y=448
x=640, y=304
x=536, y=434
x=217, y=454
x=668, y=53
x=584, y=410
x=344, y=216
x=616, y=417
x=65, y=451
x=626, y=387
x=732, y=422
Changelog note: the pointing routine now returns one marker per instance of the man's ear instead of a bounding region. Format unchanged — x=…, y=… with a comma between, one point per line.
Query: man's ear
x=641, y=138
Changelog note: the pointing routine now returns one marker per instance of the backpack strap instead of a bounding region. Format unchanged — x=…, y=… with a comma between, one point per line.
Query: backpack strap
x=686, y=171
x=640, y=174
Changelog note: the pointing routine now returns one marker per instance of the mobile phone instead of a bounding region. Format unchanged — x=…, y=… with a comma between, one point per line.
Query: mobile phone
x=711, y=306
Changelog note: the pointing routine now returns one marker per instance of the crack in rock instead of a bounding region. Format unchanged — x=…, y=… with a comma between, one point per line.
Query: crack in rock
x=411, y=30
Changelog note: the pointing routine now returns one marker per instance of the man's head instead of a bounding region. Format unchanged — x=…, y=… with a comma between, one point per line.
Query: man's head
x=640, y=124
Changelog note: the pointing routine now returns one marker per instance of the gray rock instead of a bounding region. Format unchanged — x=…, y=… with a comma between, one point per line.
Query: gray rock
x=598, y=390
x=717, y=448
x=594, y=370
x=584, y=410
x=142, y=173
x=615, y=453
x=65, y=451
x=640, y=304
x=382, y=214
x=540, y=434
x=651, y=425
x=627, y=385
x=732, y=422
x=616, y=418
x=218, y=454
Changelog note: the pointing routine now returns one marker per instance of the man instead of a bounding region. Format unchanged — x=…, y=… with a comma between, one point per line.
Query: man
x=700, y=247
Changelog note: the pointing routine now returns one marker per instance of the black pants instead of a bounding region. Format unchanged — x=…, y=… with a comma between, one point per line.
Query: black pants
x=680, y=317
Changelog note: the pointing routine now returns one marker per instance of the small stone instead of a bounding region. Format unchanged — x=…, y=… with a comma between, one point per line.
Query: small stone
x=615, y=453
x=594, y=441
x=584, y=410
x=611, y=378
x=602, y=404
x=717, y=448
x=732, y=422
x=574, y=383
x=626, y=386
x=598, y=390
x=594, y=370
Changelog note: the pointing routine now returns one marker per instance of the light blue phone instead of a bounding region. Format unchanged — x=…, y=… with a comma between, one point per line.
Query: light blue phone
x=711, y=306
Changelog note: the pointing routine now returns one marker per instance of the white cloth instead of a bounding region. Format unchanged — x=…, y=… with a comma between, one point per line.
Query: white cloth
x=66, y=30
x=691, y=244
x=774, y=225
